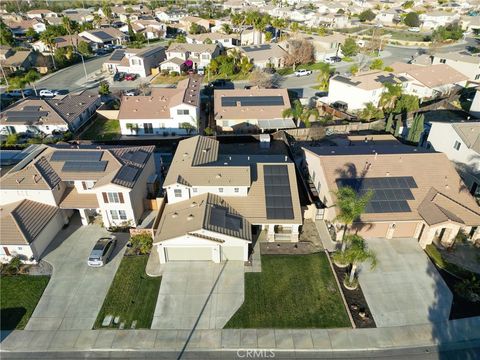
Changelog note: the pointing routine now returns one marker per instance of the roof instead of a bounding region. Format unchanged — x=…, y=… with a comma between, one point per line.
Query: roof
x=212, y=36
x=263, y=52
x=23, y=221
x=470, y=134
x=49, y=165
x=369, y=80
x=17, y=59
x=431, y=76
x=437, y=181
x=157, y=105
x=174, y=60
x=197, y=48
x=241, y=104
x=105, y=34
x=71, y=199
x=460, y=57
x=204, y=212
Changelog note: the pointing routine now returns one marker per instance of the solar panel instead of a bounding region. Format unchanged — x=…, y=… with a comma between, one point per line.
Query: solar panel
x=220, y=217
x=137, y=157
x=27, y=115
x=127, y=173
x=278, y=197
x=102, y=35
x=84, y=166
x=74, y=155
x=229, y=101
x=31, y=108
x=256, y=48
x=390, y=194
x=117, y=55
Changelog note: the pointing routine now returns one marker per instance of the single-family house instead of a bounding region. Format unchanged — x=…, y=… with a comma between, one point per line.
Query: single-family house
x=224, y=40
x=53, y=183
x=463, y=62
x=45, y=116
x=252, y=37
x=60, y=42
x=251, y=109
x=266, y=55
x=199, y=54
x=12, y=60
x=40, y=13
x=78, y=15
x=415, y=193
x=330, y=20
x=135, y=61
x=19, y=27
x=104, y=36
x=390, y=16
x=169, y=16
x=164, y=112
x=186, y=23
x=433, y=19
x=226, y=199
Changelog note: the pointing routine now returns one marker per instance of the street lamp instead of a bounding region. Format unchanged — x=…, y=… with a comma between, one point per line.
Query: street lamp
x=83, y=63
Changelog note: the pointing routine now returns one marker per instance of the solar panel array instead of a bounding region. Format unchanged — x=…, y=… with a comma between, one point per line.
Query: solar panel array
x=117, y=55
x=390, y=194
x=256, y=48
x=219, y=217
x=127, y=173
x=278, y=197
x=137, y=157
x=102, y=35
x=65, y=155
x=84, y=166
x=27, y=115
x=253, y=100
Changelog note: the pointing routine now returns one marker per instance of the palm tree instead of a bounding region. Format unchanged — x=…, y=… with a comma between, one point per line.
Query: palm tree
x=97, y=20
x=370, y=111
x=67, y=24
x=30, y=77
x=49, y=39
x=17, y=83
x=325, y=72
x=350, y=206
x=301, y=113
x=357, y=253
x=389, y=98
x=245, y=65
x=226, y=29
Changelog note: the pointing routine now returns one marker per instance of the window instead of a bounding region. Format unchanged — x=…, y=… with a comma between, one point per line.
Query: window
x=443, y=61
x=122, y=214
x=236, y=190
x=113, y=198
x=147, y=128
x=182, y=112
x=220, y=190
x=313, y=175
x=457, y=145
x=177, y=192
x=477, y=77
x=195, y=190
x=114, y=214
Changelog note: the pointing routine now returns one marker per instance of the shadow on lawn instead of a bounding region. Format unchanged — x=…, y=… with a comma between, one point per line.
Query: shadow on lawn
x=11, y=317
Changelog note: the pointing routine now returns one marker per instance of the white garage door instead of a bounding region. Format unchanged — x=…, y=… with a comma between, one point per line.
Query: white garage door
x=232, y=253
x=188, y=253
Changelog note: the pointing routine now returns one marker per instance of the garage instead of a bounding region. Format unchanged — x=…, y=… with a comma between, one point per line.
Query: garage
x=232, y=253
x=188, y=253
x=404, y=230
x=371, y=230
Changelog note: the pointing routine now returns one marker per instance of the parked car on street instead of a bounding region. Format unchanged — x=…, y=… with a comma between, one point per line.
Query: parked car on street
x=102, y=251
x=333, y=59
x=340, y=105
x=302, y=72
x=130, y=77
x=48, y=93
x=119, y=76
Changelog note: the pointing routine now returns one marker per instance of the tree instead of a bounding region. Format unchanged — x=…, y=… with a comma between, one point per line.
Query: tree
x=408, y=4
x=12, y=139
x=389, y=97
x=366, y=15
x=416, y=130
x=349, y=47
x=370, y=111
x=196, y=29
x=450, y=32
x=294, y=27
x=301, y=113
x=104, y=88
x=226, y=29
x=398, y=126
x=189, y=128
x=48, y=38
x=31, y=34
x=131, y=32
x=107, y=11
x=17, y=83
x=84, y=48
x=30, y=77
x=245, y=65
x=353, y=69
x=181, y=39
x=325, y=71
x=300, y=51
x=377, y=64
x=209, y=131
x=208, y=41
x=263, y=80
x=268, y=36
x=389, y=124
x=142, y=243
x=412, y=19
x=6, y=36
x=406, y=104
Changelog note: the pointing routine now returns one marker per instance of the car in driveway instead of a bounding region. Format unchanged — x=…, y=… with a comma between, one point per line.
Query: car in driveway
x=102, y=251
x=303, y=72
x=130, y=77
x=48, y=93
x=333, y=59
x=119, y=76
x=132, y=92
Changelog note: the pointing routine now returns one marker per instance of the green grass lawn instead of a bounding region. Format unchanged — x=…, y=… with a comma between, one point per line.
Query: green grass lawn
x=19, y=297
x=102, y=129
x=132, y=295
x=292, y=291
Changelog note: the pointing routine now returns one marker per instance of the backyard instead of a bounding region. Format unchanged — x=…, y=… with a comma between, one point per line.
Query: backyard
x=102, y=129
x=132, y=295
x=20, y=295
x=292, y=291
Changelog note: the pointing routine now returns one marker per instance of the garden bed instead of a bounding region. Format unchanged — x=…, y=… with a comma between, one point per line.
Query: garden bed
x=356, y=301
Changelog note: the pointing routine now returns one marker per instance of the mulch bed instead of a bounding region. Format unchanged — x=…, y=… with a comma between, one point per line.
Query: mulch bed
x=356, y=302
x=288, y=248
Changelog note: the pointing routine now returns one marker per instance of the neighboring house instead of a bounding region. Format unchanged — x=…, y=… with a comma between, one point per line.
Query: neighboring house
x=245, y=110
x=429, y=81
x=40, y=14
x=460, y=141
x=252, y=37
x=20, y=27
x=151, y=29
x=199, y=54
x=226, y=41
x=225, y=199
x=169, y=16
x=186, y=22
x=363, y=88
x=416, y=193
x=463, y=62
x=470, y=23
x=267, y=55
x=60, y=42
x=434, y=19
x=389, y=16
x=135, y=61
x=79, y=15
x=104, y=182
x=301, y=15
x=59, y=114
x=12, y=61
x=104, y=36
x=165, y=111
x=330, y=20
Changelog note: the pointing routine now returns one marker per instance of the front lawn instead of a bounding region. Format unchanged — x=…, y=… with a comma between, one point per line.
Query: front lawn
x=132, y=295
x=292, y=291
x=19, y=297
x=102, y=129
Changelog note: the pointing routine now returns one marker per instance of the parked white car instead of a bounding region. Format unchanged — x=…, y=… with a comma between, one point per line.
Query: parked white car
x=414, y=29
x=48, y=93
x=302, y=72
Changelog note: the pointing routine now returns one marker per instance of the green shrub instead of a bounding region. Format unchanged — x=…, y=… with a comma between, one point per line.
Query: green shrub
x=142, y=243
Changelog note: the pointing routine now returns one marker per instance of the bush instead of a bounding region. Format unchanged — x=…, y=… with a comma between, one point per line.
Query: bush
x=469, y=289
x=13, y=267
x=142, y=243
x=174, y=73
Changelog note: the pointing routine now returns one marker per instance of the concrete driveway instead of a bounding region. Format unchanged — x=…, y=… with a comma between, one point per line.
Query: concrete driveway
x=405, y=288
x=76, y=291
x=199, y=294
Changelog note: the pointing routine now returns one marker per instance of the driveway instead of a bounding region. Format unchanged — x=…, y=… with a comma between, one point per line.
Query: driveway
x=199, y=294
x=405, y=288
x=76, y=291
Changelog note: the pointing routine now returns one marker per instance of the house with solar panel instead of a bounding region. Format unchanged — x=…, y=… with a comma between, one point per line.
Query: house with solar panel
x=135, y=61
x=43, y=191
x=226, y=198
x=246, y=110
x=104, y=36
x=265, y=55
x=417, y=193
